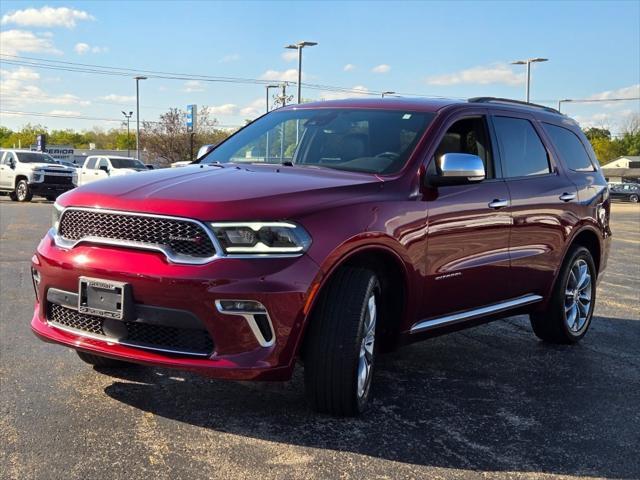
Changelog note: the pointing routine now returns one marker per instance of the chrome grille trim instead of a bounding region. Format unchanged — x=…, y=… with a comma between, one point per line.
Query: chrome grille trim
x=172, y=256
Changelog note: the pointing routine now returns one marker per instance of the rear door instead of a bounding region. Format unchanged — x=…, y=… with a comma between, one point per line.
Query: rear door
x=468, y=227
x=539, y=191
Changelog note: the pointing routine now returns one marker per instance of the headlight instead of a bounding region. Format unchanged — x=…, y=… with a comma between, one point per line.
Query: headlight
x=55, y=216
x=261, y=238
x=38, y=177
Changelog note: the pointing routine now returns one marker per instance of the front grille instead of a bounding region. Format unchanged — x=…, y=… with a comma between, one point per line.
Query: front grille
x=58, y=180
x=181, y=237
x=142, y=335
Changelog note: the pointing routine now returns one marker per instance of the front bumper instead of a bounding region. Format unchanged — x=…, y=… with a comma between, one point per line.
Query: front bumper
x=280, y=284
x=44, y=189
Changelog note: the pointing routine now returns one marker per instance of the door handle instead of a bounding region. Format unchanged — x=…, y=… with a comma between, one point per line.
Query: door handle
x=497, y=203
x=567, y=197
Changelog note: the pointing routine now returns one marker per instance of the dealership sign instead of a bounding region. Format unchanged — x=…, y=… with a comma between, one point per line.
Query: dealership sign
x=60, y=152
x=192, y=115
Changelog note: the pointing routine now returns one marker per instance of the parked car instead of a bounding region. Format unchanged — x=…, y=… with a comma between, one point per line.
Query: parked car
x=149, y=166
x=373, y=224
x=181, y=163
x=98, y=167
x=629, y=192
x=24, y=173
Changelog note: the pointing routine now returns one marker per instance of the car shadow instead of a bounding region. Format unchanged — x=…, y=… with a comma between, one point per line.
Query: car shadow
x=488, y=399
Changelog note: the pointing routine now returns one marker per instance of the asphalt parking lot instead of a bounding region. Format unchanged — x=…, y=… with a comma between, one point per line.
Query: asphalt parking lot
x=488, y=402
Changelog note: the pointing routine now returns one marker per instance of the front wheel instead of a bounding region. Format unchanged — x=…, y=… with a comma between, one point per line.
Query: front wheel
x=568, y=315
x=23, y=192
x=339, y=345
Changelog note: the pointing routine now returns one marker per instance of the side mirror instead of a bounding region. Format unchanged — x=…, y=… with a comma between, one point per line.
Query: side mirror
x=204, y=150
x=12, y=164
x=457, y=169
x=104, y=168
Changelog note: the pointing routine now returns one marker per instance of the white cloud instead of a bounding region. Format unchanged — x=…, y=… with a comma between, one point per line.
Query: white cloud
x=46, y=17
x=355, y=91
x=349, y=67
x=19, y=87
x=234, y=57
x=12, y=42
x=255, y=108
x=382, y=68
x=112, y=97
x=290, y=75
x=482, y=75
x=82, y=48
x=632, y=91
x=290, y=55
x=65, y=113
x=191, y=86
x=226, y=109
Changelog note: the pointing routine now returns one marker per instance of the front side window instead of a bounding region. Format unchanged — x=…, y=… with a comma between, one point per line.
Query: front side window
x=521, y=149
x=91, y=163
x=103, y=163
x=468, y=135
x=357, y=140
x=570, y=148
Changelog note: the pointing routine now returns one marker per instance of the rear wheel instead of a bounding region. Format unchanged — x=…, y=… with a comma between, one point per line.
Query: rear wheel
x=339, y=346
x=568, y=316
x=51, y=198
x=98, y=361
x=23, y=192
x=634, y=198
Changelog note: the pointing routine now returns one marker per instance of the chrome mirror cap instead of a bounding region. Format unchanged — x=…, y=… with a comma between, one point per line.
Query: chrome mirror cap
x=461, y=166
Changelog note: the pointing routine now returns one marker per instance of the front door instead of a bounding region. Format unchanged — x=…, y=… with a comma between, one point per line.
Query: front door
x=7, y=174
x=468, y=229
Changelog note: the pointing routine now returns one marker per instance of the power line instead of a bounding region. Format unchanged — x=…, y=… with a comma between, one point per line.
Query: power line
x=83, y=117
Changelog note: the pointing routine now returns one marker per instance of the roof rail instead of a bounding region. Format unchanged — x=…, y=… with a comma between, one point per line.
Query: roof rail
x=516, y=102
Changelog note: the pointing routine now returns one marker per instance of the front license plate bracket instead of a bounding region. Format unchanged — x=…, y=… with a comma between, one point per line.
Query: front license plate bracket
x=104, y=298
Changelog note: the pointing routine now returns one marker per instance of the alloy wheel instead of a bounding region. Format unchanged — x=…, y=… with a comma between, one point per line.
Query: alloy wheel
x=577, y=304
x=21, y=192
x=365, y=362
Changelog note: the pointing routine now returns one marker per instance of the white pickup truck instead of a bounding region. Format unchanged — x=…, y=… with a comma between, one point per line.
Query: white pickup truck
x=98, y=167
x=24, y=173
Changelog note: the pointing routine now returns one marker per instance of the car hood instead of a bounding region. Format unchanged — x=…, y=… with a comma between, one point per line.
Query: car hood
x=50, y=166
x=230, y=192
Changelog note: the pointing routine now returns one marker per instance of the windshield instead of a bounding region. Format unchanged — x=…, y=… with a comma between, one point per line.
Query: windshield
x=126, y=163
x=33, y=157
x=357, y=140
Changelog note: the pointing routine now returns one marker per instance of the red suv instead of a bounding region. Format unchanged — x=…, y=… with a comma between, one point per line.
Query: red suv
x=328, y=232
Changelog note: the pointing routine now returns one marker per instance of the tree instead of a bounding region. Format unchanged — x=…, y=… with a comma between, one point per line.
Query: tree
x=168, y=140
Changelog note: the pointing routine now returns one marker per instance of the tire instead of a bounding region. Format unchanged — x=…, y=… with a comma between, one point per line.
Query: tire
x=51, y=198
x=570, y=309
x=634, y=198
x=23, y=192
x=104, y=362
x=12, y=196
x=339, y=344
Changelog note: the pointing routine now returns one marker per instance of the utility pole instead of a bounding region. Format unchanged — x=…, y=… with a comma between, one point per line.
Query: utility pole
x=528, y=63
x=128, y=117
x=138, y=78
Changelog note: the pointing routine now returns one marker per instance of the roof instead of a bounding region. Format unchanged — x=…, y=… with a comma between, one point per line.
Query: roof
x=432, y=105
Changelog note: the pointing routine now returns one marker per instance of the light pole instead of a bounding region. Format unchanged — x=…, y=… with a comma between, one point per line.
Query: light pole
x=128, y=117
x=138, y=114
x=560, y=102
x=267, y=88
x=387, y=93
x=299, y=46
x=528, y=63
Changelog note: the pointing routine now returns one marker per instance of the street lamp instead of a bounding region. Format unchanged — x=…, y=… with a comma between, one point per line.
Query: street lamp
x=128, y=117
x=267, y=88
x=528, y=63
x=387, y=93
x=137, y=79
x=299, y=46
x=564, y=100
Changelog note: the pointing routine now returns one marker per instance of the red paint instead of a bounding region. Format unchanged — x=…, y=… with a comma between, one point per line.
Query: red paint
x=455, y=252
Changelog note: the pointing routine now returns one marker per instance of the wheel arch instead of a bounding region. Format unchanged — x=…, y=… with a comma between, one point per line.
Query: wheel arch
x=19, y=177
x=589, y=238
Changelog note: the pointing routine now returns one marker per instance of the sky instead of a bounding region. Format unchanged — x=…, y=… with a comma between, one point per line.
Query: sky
x=450, y=49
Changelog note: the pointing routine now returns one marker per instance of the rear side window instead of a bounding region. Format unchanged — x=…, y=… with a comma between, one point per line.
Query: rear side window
x=570, y=147
x=522, y=151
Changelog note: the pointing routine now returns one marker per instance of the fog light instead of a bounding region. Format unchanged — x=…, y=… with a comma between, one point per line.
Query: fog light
x=35, y=278
x=240, y=306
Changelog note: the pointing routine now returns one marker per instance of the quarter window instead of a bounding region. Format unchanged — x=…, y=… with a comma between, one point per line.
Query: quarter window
x=522, y=151
x=570, y=147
